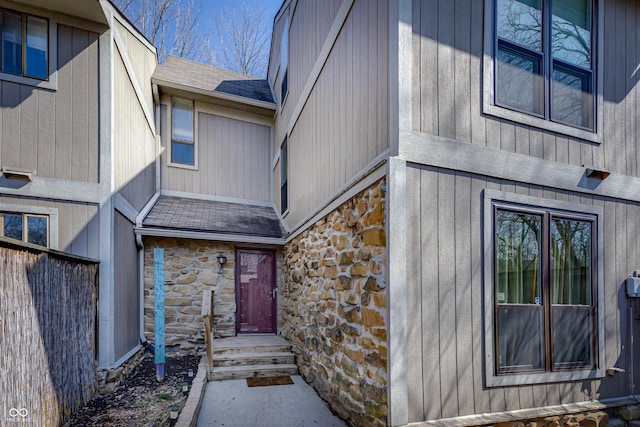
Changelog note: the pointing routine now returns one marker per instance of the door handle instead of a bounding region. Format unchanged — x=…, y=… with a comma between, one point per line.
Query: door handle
x=274, y=292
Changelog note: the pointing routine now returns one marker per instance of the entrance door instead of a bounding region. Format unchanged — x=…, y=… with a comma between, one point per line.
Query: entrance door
x=255, y=291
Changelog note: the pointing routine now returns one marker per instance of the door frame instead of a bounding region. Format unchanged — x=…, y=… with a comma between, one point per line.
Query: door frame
x=274, y=285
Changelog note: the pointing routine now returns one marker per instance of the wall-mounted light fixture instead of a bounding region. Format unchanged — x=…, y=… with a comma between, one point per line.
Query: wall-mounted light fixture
x=18, y=173
x=221, y=260
x=592, y=172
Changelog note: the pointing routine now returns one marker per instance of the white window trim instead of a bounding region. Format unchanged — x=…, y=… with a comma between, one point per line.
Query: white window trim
x=488, y=71
x=52, y=82
x=52, y=213
x=494, y=380
x=284, y=64
x=286, y=212
x=196, y=111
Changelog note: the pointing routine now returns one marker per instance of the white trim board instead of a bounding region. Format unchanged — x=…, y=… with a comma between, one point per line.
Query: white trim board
x=447, y=153
x=213, y=198
x=128, y=65
x=524, y=414
x=123, y=206
x=371, y=173
x=314, y=75
x=52, y=188
x=196, y=235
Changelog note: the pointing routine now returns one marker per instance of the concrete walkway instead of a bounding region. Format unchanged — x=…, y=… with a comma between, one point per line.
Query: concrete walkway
x=232, y=403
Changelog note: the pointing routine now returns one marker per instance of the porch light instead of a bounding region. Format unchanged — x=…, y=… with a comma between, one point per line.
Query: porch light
x=221, y=260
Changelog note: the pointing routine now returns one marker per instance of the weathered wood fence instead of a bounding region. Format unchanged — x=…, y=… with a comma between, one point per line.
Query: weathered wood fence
x=47, y=334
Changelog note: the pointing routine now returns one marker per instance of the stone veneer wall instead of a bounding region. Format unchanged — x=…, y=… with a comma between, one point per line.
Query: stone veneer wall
x=191, y=267
x=334, y=307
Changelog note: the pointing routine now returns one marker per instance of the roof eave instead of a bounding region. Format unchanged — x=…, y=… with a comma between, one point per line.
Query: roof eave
x=203, y=235
x=215, y=94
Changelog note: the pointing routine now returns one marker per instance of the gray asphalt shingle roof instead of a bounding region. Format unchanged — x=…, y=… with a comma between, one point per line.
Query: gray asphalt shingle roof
x=211, y=79
x=181, y=213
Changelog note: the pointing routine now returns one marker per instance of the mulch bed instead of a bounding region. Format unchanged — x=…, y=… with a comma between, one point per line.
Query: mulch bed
x=140, y=400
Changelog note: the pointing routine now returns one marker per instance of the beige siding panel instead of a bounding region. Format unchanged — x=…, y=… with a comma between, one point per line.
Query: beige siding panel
x=55, y=133
x=444, y=264
x=126, y=292
x=134, y=142
x=143, y=61
x=343, y=125
x=234, y=159
x=78, y=231
x=448, y=87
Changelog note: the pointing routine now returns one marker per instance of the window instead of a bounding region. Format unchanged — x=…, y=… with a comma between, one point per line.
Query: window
x=24, y=48
x=544, y=65
x=284, y=62
x=284, y=177
x=182, y=141
x=542, y=290
x=26, y=227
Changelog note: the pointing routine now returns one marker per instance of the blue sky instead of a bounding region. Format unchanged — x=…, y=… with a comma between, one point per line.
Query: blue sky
x=213, y=7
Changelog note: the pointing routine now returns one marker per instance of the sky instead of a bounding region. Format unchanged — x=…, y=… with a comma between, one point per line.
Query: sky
x=271, y=7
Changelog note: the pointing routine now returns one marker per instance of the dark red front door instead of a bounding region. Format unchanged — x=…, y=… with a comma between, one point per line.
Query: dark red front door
x=255, y=291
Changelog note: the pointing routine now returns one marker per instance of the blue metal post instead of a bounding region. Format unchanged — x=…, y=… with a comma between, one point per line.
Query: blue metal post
x=158, y=270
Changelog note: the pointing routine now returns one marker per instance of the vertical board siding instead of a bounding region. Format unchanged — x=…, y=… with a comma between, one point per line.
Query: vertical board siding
x=343, y=125
x=445, y=337
x=126, y=290
x=55, y=133
x=78, y=231
x=134, y=141
x=234, y=159
x=448, y=88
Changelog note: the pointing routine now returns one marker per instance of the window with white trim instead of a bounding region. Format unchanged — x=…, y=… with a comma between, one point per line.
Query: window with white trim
x=543, y=64
x=542, y=290
x=30, y=228
x=182, y=135
x=284, y=63
x=24, y=50
x=284, y=177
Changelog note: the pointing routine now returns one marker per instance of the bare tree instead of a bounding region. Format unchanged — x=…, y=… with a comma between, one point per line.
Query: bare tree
x=172, y=26
x=243, y=38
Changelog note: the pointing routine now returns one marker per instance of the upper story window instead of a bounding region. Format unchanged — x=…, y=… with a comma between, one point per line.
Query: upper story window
x=543, y=276
x=28, y=228
x=284, y=63
x=182, y=134
x=24, y=49
x=543, y=60
x=284, y=177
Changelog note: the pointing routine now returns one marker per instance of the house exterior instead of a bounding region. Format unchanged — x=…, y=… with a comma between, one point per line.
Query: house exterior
x=78, y=145
x=435, y=202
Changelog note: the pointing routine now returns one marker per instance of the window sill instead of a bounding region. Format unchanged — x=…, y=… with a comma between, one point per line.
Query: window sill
x=544, y=377
x=28, y=81
x=526, y=119
x=182, y=166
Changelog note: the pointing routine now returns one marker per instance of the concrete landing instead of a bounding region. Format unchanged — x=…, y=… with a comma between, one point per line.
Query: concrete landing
x=233, y=404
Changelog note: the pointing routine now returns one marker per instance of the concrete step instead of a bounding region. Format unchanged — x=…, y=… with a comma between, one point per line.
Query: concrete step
x=249, y=371
x=251, y=344
x=252, y=358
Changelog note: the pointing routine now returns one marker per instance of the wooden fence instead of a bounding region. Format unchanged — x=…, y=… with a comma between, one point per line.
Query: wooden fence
x=207, y=318
x=47, y=334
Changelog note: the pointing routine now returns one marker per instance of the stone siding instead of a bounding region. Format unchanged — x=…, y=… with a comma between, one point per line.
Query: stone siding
x=191, y=266
x=334, y=307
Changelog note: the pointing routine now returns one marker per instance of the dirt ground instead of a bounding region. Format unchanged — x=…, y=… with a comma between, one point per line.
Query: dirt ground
x=140, y=400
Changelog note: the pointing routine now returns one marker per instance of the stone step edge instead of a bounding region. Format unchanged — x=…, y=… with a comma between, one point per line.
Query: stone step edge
x=240, y=368
x=258, y=358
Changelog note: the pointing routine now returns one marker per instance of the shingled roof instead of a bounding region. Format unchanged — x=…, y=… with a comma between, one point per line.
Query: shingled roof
x=179, y=213
x=184, y=74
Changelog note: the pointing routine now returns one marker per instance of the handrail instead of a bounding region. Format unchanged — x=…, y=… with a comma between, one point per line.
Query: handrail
x=207, y=318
